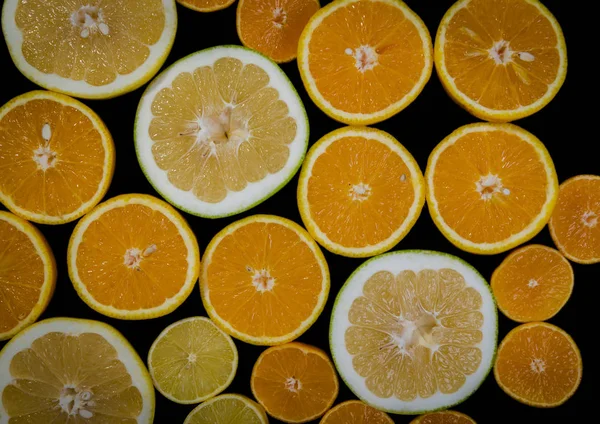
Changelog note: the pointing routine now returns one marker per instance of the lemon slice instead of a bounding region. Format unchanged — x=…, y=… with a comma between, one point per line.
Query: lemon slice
x=226, y=409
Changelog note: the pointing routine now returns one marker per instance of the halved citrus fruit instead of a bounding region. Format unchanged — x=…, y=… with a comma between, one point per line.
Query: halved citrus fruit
x=133, y=257
x=363, y=61
x=533, y=283
x=27, y=274
x=264, y=280
x=228, y=409
x=490, y=187
x=72, y=370
x=575, y=222
x=57, y=157
x=205, y=5
x=360, y=191
x=443, y=417
x=414, y=331
x=355, y=412
x=192, y=360
x=500, y=60
x=273, y=27
x=295, y=382
x=90, y=49
x=220, y=131
x=538, y=364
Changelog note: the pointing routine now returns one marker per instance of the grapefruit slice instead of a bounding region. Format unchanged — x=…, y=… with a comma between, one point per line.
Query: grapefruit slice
x=414, y=331
x=228, y=409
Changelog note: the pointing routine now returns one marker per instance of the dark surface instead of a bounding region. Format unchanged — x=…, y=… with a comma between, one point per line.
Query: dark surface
x=432, y=116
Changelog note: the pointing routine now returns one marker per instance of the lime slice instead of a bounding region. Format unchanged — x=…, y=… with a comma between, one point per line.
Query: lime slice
x=228, y=409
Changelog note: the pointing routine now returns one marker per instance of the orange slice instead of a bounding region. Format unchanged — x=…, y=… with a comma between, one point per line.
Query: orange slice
x=273, y=27
x=533, y=283
x=490, y=187
x=443, y=417
x=27, y=274
x=363, y=61
x=264, y=280
x=360, y=191
x=500, y=60
x=57, y=157
x=355, y=412
x=538, y=364
x=295, y=382
x=133, y=257
x=575, y=222
x=206, y=5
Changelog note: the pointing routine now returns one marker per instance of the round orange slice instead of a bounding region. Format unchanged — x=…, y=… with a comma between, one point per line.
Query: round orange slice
x=360, y=191
x=490, y=187
x=575, y=222
x=27, y=274
x=264, y=280
x=295, y=382
x=533, y=283
x=273, y=27
x=500, y=60
x=363, y=61
x=57, y=157
x=443, y=417
x=538, y=364
x=355, y=412
x=206, y=5
x=133, y=257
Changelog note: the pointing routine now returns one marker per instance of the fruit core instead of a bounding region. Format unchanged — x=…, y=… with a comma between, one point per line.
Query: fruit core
x=76, y=401
x=360, y=192
x=43, y=156
x=293, y=384
x=279, y=17
x=134, y=256
x=489, y=185
x=501, y=53
x=365, y=57
x=590, y=219
x=538, y=366
x=89, y=20
x=262, y=280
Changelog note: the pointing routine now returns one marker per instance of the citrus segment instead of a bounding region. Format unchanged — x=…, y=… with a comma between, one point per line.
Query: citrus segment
x=192, y=360
x=264, y=280
x=27, y=274
x=490, y=187
x=501, y=60
x=220, y=131
x=575, y=222
x=533, y=283
x=273, y=27
x=206, y=5
x=355, y=412
x=538, y=364
x=71, y=370
x=295, y=382
x=360, y=191
x=228, y=409
x=414, y=331
x=133, y=257
x=57, y=157
x=444, y=417
x=363, y=61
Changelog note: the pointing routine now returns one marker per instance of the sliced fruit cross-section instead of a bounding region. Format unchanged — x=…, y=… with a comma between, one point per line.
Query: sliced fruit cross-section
x=206, y=5
x=355, y=412
x=228, y=409
x=443, y=417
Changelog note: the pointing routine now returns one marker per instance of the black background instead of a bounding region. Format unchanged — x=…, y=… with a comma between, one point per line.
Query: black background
x=561, y=125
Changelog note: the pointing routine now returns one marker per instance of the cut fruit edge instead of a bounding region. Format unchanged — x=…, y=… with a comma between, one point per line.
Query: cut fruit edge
x=361, y=118
x=190, y=6
x=484, y=112
x=214, y=392
x=514, y=240
x=254, y=193
x=108, y=165
x=305, y=237
x=123, y=84
x=186, y=233
x=249, y=403
x=418, y=183
x=45, y=253
x=126, y=354
x=395, y=262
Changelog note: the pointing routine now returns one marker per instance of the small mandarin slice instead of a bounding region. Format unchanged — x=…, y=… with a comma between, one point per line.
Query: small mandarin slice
x=443, y=417
x=355, y=412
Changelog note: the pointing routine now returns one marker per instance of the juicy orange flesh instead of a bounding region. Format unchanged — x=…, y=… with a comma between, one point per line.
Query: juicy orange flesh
x=576, y=219
x=533, y=285
x=385, y=30
x=444, y=417
x=187, y=379
x=98, y=59
x=242, y=268
x=21, y=276
x=143, y=278
x=273, y=27
x=355, y=412
x=206, y=5
x=225, y=410
x=52, y=176
x=538, y=364
x=57, y=365
x=294, y=383
x=399, y=321
x=219, y=128
x=496, y=212
x=525, y=41
x=359, y=192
